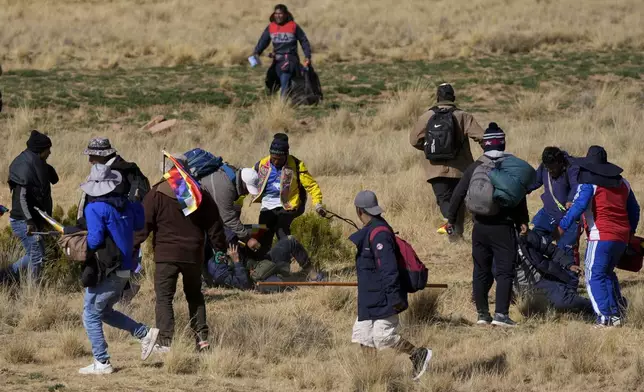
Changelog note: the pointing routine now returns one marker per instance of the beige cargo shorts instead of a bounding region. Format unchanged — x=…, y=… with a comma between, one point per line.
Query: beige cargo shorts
x=379, y=334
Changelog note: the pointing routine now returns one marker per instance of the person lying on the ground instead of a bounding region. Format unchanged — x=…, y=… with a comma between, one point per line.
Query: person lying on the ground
x=546, y=269
x=241, y=269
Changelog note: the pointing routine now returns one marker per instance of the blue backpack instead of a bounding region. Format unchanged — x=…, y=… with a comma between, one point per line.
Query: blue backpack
x=201, y=163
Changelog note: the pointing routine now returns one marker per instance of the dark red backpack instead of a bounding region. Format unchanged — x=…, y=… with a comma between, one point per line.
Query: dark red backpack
x=633, y=257
x=412, y=271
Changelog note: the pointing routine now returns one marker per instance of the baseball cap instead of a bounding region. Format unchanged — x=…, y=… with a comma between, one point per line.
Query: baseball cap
x=368, y=201
x=250, y=178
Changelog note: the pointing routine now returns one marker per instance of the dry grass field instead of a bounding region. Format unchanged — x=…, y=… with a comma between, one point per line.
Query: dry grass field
x=549, y=75
x=43, y=34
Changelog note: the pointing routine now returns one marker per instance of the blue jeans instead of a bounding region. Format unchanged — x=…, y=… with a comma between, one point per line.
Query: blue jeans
x=545, y=225
x=34, y=248
x=98, y=309
x=285, y=80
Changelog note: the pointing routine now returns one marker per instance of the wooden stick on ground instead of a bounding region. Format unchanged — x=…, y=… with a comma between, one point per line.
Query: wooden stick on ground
x=335, y=284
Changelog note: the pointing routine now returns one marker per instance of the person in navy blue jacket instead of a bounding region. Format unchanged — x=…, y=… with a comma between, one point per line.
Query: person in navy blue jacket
x=558, y=174
x=284, y=33
x=112, y=215
x=380, y=295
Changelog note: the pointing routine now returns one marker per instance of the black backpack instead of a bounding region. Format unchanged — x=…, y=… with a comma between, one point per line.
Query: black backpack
x=139, y=185
x=101, y=263
x=305, y=87
x=442, y=142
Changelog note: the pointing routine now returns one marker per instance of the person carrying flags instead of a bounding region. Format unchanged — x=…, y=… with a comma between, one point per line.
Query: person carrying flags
x=178, y=213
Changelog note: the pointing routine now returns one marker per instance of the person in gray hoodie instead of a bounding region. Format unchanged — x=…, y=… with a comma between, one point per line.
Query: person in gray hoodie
x=227, y=185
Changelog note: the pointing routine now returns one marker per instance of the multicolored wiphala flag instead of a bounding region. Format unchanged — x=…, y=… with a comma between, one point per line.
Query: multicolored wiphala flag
x=184, y=186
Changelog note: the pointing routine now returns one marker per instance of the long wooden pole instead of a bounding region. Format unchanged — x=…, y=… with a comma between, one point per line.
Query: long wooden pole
x=335, y=284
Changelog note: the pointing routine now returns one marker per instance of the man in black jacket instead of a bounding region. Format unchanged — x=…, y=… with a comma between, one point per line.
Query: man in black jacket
x=545, y=269
x=493, y=239
x=30, y=180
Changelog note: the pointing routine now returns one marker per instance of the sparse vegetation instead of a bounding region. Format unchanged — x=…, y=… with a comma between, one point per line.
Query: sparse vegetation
x=546, y=86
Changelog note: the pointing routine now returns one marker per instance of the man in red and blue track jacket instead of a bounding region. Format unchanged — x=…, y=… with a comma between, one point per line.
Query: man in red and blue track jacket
x=284, y=33
x=611, y=214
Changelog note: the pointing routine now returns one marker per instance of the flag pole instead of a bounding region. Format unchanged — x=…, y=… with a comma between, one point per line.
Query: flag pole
x=335, y=284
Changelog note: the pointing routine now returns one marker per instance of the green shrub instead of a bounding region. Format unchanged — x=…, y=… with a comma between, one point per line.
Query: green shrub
x=10, y=248
x=323, y=240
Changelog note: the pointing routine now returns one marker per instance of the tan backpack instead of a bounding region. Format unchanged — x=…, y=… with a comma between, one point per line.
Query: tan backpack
x=74, y=245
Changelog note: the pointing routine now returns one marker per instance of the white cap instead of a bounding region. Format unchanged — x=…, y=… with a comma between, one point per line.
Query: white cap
x=250, y=178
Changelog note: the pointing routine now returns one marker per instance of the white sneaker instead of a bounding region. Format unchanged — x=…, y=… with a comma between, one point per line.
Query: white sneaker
x=148, y=342
x=158, y=349
x=97, y=368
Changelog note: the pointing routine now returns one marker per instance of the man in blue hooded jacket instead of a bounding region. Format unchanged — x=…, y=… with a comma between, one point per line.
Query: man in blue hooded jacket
x=380, y=295
x=558, y=175
x=110, y=216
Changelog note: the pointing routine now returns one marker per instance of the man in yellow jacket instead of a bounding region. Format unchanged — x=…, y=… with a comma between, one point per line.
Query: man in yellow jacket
x=283, y=184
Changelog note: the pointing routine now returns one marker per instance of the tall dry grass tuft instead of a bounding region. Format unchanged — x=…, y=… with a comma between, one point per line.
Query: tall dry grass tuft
x=9, y=313
x=272, y=115
x=182, y=358
x=291, y=332
x=534, y=305
x=369, y=371
x=423, y=307
x=635, y=310
x=402, y=110
x=226, y=362
x=71, y=343
x=41, y=311
x=338, y=299
x=19, y=350
x=533, y=105
x=219, y=121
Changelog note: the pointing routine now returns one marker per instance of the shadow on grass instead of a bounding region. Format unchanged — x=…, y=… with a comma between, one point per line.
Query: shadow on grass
x=495, y=365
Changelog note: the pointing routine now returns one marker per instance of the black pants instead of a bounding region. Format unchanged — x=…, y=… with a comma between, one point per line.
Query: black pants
x=288, y=248
x=443, y=188
x=278, y=222
x=493, y=243
x=165, y=286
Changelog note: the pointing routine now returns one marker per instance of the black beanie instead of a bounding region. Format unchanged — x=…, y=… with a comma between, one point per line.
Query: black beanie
x=494, y=138
x=279, y=146
x=38, y=142
x=445, y=92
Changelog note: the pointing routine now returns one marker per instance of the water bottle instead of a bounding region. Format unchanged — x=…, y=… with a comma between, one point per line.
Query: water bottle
x=254, y=61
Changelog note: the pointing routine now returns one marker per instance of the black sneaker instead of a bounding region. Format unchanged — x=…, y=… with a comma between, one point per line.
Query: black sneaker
x=503, y=320
x=484, y=319
x=420, y=357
